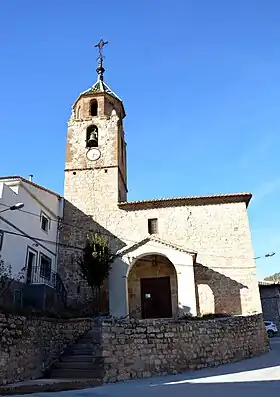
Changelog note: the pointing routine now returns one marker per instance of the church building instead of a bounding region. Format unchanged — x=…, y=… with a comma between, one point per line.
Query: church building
x=176, y=255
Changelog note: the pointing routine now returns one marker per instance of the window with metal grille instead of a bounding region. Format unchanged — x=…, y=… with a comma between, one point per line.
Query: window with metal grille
x=153, y=226
x=45, y=266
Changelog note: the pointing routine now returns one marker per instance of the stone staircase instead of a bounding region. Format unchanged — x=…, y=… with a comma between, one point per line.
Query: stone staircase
x=81, y=360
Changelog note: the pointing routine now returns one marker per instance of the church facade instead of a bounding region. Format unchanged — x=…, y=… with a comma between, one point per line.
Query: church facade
x=177, y=255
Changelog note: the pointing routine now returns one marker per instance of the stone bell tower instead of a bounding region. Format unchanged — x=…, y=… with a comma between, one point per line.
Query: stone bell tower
x=95, y=177
x=95, y=172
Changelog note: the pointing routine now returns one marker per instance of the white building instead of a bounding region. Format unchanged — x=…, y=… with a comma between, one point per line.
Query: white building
x=29, y=236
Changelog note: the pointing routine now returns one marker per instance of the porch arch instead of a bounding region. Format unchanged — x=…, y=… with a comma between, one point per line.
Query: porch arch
x=183, y=262
x=152, y=287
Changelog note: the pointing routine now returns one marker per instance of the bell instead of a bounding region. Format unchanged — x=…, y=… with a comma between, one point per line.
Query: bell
x=92, y=141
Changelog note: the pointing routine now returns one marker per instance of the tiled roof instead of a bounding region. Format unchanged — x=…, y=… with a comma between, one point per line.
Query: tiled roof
x=156, y=239
x=191, y=200
x=15, y=177
x=100, y=86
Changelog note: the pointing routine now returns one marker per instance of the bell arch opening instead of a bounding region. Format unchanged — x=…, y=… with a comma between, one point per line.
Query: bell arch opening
x=152, y=288
x=92, y=136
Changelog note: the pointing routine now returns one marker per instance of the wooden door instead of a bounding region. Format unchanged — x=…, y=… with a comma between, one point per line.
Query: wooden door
x=156, y=297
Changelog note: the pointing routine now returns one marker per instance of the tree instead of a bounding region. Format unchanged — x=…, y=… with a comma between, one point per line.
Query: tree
x=95, y=265
x=274, y=277
x=7, y=280
x=5, y=276
x=5, y=270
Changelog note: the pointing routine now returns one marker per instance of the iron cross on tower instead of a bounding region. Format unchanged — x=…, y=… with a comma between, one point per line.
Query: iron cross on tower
x=100, y=46
x=100, y=69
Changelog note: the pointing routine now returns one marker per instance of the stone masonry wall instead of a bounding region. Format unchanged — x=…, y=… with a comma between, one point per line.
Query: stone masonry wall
x=28, y=347
x=142, y=348
x=220, y=235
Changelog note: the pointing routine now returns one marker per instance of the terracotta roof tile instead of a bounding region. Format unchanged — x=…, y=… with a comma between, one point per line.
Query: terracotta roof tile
x=190, y=200
x=159, y=240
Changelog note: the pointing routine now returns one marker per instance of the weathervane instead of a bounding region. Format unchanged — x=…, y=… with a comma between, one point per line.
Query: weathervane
x=100, y=69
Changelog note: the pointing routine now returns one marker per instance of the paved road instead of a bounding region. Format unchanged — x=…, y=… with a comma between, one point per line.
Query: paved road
x=257, y=377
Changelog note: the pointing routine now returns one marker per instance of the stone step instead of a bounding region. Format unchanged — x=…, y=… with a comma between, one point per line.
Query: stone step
x=87, y=341
x=91, y=335
x=78, y=352
x=93, y=331
x=93, y=339
x=83, y=345
x=75, y=365
x=80, y=347
x=76, y=374
x=78, y=358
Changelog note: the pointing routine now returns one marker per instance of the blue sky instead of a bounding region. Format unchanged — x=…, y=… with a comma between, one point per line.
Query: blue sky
x=200, y=84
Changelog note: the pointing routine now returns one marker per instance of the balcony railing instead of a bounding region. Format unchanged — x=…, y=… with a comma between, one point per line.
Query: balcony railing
x=38, y=275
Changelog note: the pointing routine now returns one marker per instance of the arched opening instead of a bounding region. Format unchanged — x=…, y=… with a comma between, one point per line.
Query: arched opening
x=92, y=136
x=78, y=112
x=206, y=299
x=213, y=289
x=93, y=107
x=152, y=288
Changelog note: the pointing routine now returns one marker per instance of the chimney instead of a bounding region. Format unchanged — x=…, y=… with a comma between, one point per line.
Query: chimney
x=30, y=177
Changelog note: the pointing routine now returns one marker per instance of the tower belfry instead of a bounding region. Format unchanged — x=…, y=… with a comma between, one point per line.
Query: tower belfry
x=95, y=172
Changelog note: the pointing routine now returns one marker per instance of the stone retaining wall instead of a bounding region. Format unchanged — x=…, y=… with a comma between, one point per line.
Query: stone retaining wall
x=28, y=347
x=142, y=348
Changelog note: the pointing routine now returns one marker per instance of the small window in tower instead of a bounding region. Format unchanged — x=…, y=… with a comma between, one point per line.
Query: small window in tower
x=153, y=226
x=92, y=136
x=93, y=107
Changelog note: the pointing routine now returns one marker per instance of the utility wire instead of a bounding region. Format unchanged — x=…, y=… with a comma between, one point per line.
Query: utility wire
x=130, y=257
x=41, y=239
x=60, y=221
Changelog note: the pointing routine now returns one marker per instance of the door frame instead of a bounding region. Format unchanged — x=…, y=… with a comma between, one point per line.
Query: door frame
x=28, y=251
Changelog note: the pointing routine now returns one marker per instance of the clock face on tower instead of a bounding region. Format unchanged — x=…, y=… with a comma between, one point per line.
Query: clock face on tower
x=93, y=154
